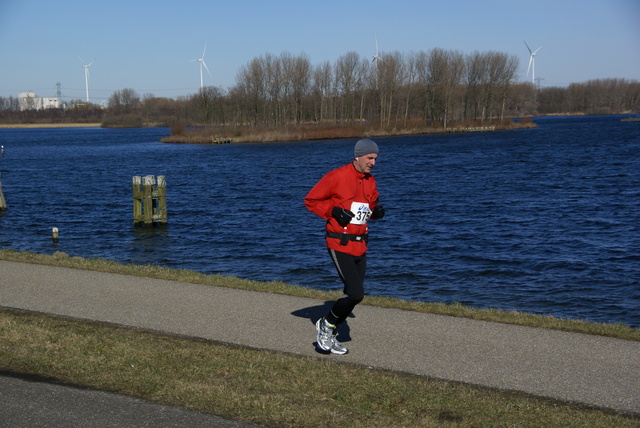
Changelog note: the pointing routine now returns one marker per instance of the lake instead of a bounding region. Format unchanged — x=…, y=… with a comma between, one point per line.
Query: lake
x=542, y=220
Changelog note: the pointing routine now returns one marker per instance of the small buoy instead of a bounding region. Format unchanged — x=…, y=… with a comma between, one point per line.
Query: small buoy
x=54, y=235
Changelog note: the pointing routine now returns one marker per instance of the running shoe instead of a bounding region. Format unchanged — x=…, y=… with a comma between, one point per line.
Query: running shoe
x=326, y=338
x=325, y=334
x=337, y=347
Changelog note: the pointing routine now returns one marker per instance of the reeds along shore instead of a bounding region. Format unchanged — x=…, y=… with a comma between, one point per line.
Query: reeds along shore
x=319, y=132
x=248, y=134
x=51, y=125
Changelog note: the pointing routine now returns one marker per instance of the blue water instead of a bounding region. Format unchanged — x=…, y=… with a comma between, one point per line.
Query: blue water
x=544, y=220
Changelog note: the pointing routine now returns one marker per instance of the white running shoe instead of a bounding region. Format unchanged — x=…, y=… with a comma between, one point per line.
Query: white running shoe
x=325, y=334
x=326, y=338
x=337, y=347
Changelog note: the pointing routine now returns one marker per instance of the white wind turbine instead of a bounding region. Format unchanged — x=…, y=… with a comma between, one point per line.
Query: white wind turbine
x=201, y=61
x=86, y=75
x=376, y=57
x=532, y=63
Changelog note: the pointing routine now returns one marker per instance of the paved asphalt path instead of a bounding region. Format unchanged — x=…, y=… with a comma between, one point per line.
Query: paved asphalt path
x=570, y=367
x=30, y=403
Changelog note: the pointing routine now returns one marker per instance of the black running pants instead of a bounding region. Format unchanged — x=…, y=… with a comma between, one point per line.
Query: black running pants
x=351, y=270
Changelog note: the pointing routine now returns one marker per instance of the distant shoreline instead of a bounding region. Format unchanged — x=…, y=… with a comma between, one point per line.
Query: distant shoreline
x=285, y=134
x=51, y=125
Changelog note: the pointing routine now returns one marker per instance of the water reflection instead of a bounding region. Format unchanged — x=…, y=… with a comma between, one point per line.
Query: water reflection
x=150, y=244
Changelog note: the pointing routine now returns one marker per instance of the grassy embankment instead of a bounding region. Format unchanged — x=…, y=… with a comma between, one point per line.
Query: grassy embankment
x=271, y=388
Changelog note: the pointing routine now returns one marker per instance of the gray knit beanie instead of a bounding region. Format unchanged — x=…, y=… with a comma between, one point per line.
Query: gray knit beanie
x=365, y=147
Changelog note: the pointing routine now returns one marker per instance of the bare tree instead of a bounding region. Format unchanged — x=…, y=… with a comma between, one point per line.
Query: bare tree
x=125, y=101
x=250, y=82
x=207, y=105
x=411, y=77
x=453, y=81
x=361, y=86
x=347, y=72
x=436, y=76
x=300, y=76
x=421, y=61
x=322, y=90
x=276, y=86
x=475, y=76
x=507, y=76
x=500, y=70
x=390, y=73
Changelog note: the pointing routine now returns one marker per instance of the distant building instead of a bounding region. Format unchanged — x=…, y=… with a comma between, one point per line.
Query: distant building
x=29, y=101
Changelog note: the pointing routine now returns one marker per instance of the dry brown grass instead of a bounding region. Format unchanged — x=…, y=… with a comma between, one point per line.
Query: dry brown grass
x=51, y=125
x=306, y=132
x=264, y=387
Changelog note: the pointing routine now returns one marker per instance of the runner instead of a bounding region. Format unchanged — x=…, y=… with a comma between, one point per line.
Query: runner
x=347, y=198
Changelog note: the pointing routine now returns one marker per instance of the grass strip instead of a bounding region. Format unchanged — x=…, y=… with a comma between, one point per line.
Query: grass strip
x=263, y=387
x=619, y=330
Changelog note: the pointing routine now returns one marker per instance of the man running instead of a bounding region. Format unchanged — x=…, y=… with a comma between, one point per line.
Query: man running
x=347, y=198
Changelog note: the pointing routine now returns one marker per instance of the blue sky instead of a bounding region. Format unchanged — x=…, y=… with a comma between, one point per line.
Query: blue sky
x=148, y=45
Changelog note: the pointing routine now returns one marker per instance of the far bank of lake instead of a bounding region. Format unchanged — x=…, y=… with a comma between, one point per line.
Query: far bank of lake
x=315, y=132
x=218, y=135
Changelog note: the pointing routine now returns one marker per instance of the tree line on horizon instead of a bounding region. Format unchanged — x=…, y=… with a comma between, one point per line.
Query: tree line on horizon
x=439, y=87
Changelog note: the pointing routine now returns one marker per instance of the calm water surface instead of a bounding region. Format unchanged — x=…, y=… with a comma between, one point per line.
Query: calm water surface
x=543, y=220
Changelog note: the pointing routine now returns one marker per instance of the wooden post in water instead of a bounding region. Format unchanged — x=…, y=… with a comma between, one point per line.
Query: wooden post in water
x=149, y=200
x=137, y=200
x=161, y=200
x=3, y=203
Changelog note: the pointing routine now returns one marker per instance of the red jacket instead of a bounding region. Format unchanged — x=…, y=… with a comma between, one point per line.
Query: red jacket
x=344, y=187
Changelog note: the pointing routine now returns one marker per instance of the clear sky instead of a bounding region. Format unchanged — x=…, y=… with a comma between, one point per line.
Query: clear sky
x=148, y=45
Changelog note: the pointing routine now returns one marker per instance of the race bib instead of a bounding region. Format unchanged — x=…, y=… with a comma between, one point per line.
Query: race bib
x=361, y=211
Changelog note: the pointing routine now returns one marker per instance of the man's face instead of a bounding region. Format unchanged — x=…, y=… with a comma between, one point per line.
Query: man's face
x=364, y=163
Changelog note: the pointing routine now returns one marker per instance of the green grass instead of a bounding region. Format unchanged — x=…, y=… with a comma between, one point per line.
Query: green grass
x=270, y=388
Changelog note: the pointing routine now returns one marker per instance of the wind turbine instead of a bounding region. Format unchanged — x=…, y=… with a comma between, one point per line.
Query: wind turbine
x=86, y=75
x=532, y=62
x=376, y=57
x=201, y=61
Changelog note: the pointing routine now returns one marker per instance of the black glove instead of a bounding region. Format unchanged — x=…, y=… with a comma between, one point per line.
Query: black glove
x=343, y=216
x=378, y=212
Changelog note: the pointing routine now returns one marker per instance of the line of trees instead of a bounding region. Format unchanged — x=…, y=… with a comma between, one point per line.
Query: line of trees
x=601, y=96
x=439, y=87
